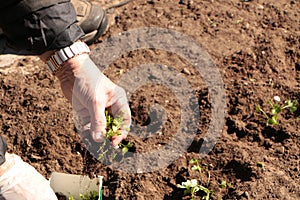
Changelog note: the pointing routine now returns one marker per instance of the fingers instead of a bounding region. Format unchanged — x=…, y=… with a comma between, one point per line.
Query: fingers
x=98, y=121
x=120, y=107
x=115, y=140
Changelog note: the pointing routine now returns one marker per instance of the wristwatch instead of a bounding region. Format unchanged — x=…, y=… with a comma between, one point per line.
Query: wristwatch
x=55, y=61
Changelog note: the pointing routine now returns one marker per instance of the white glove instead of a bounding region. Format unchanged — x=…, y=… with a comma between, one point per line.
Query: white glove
x=91, y=92
x=22, y=182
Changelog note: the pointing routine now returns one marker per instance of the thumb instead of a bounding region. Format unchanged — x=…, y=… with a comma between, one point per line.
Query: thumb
x=98, y=123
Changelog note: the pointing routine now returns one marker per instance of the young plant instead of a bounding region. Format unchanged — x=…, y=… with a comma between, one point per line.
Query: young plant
x=71, y=198
x=93, y=195
x=125, y=147
x=196, y=165
x=224, y=184
x=192, y=186
x=273, y=116
x=113, y=126
x=207, y=192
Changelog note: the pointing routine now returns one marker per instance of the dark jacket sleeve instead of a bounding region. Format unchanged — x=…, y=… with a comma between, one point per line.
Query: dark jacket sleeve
x=37, y=29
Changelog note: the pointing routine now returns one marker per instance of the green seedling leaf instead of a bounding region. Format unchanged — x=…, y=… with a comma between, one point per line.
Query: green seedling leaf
x=113, y=125
x=288, y=103
x=293, y=107
x=196, y=168
x=113, y=128
x=273, y=120
x=207, y=191
x=93, y=195
x=89, y=196
x=276, y=109
x=190, y=186
x=223, y=184
x=274, y=114
x=126, y=147
x=258, y=108
x=194, y=161
x=194, y=189
x=270, y=102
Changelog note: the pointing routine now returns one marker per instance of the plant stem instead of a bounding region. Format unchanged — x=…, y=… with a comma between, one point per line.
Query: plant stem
x=264, y=113
x=208, y=178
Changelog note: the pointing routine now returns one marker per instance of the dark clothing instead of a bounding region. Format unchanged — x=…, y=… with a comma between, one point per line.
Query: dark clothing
x=32, y=27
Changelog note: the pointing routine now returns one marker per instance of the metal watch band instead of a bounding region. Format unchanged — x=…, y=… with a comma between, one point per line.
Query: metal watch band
x=56, y=60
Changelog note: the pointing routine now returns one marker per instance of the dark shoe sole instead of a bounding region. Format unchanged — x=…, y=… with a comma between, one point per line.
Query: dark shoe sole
x=91, y=37
x=91, y=18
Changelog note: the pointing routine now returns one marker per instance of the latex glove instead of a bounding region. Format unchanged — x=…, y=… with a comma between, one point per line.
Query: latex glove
x=21, y=181
x=91, y=92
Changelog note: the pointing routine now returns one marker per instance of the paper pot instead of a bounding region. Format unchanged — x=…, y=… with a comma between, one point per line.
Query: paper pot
x=73, y=185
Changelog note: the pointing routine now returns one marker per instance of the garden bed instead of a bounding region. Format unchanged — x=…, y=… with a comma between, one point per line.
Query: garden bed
x=255, y=45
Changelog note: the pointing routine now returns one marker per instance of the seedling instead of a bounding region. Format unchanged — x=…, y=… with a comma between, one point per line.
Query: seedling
x=206, y=191
x=196, y=165
x=93, y=195
x=192, y=186
x=90, y=196
x=113, y=126
x=125, y=147
x=273, y=116
x=224, y=184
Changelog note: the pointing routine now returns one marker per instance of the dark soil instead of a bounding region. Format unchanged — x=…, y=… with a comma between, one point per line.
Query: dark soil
x=255, y=44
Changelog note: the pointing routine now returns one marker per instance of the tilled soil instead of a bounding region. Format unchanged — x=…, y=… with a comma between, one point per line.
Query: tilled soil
x=255, y=45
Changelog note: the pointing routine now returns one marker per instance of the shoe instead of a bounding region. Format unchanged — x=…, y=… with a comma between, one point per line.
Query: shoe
x=91, y=18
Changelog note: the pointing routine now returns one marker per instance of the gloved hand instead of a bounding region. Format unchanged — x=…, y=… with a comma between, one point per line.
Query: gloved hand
x=91, y=92
x=19, y=180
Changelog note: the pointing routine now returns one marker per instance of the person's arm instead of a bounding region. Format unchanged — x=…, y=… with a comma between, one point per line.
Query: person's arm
x=50, y=29
x=90, y=93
